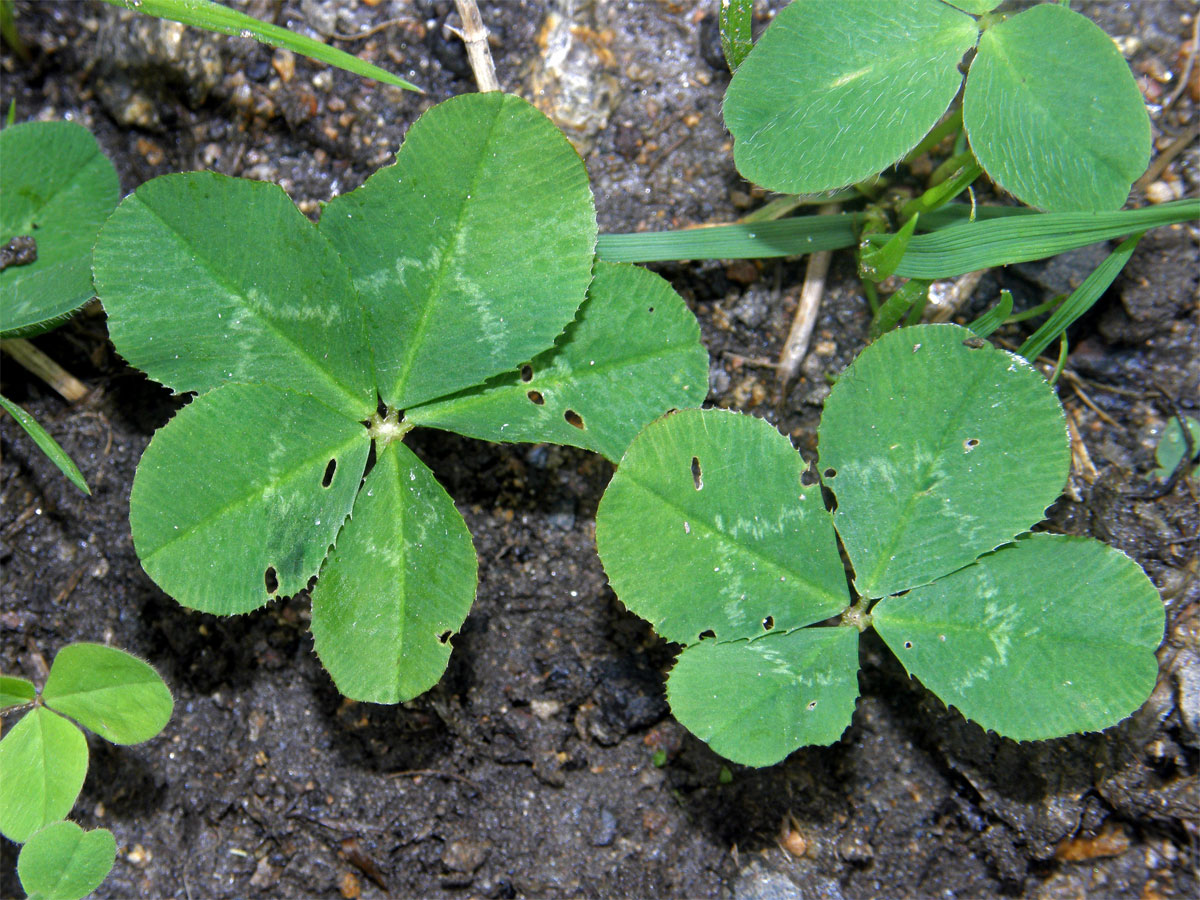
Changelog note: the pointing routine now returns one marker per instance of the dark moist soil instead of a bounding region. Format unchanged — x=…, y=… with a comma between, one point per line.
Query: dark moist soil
x=528, y=771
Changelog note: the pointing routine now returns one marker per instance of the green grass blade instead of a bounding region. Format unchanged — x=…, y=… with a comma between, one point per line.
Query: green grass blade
x=994, y=317
x=215, y=17
x=787, y=237
x=1081, y=300
x=735, y=17
x=982, y=244
x=47, y=444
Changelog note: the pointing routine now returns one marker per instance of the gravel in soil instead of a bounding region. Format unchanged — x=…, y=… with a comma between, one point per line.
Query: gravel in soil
x=530, y=769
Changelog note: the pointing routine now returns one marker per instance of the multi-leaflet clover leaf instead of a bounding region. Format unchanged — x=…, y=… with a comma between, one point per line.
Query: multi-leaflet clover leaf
x=419, y=300
x=936, y=449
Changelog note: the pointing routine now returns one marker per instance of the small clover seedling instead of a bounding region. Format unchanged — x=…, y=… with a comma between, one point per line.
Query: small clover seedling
x=941, y=451
x=44, y=759
x=448, y=291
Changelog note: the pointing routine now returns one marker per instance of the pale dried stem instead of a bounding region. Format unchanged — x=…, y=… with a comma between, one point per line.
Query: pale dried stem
x=796, y=346
x=475, y=36
x=34, y=360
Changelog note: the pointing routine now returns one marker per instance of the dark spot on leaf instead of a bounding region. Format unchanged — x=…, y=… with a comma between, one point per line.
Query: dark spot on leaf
x=527, y=373
x=970, y=444
x=329, y=470
x=974, y=343
x=573, y=418
x=908, y=645
x=769, y=623
x=651, y=309
x=536, y=397
x=444, y=636
x=696, y=477
x=271, y=577
x=830, y=472
x=812, y=704
x=807, y=478
x=707, y=633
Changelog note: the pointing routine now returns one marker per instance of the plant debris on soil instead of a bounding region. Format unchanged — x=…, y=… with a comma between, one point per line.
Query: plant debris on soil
x=530, y=770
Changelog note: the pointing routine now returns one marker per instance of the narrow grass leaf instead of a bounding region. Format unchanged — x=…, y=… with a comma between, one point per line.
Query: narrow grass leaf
x=398, y=584
x=116, y=695
x=1050, y=636
x=64, y=862
x=1081, y=300
x=442, y=248
x=761, y=240
x=209, y=280
x=913, y=293
x=632, y=353
x=238, y=498
x=44, y=759
x=56, y=187
x=994, y=317
x=878, y=262
x=1053, y=112
x=754, y=702
x=695, y=546
x=923, y=439
x=223, y=20
x=15, y=691
x=736, y=18
x=48, y=445
x=864, y=83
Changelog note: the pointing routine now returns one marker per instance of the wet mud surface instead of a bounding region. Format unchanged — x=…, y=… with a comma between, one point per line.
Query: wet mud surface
x=529, y=771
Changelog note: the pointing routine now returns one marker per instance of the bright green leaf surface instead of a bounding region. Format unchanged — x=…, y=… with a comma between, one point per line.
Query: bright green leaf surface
x=64, y=862
x=834, y=93
x=1053, y=112
x=43, y=759
x=1172, y=446
x=736, y=18
x=48, y=445
x=473, y=251
x=58, y=187
x=15, y=691
x=632, y=353
x=209, y=280
x=233, y=486
x=1050, y=636
x=116, y=695
x=975, y=7
x=223, y=20
x=399, y=582
x=755, y=702
x=694, y=541
x=941, y=452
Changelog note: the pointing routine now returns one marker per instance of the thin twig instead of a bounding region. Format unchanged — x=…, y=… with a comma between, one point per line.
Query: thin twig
x=474, y=35
x=796, y=345
x=1163, y=159
x=402, y=20
x=34, y=360
x=1187, y=69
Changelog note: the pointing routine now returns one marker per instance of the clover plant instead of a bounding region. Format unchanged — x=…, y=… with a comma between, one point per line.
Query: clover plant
x=454, y=289
x=56, y=189
x=938, y=452
x=44, y=759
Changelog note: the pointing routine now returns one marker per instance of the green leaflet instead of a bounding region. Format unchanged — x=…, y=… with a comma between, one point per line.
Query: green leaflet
x=64, y=862
x=459, y=286
x=1172, y=446
x=833, y=93
x=57, y=187
x=937, y=451
x=1046, y=637
x=209, y=280
x=975, y=7
x=632, y=351
x=44, y=760
x=691, y=544
x=757, y=701
x=399, y=582
x=1053, y=112
x=229, y=507
x=15, y=691
x=48, y=445
x=114, y=694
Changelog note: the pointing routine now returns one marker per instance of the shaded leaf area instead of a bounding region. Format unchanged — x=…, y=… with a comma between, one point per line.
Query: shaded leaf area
x=44, y=759
x=48, y=445
x=56, y=187
x=755, y=702
x=209, y=280
x=692, y=544
x=116, y=695
x=632, y=352
x=1046, y=637
x=234, y=501
x=1053, y=112
x=459, y=286
x=939, y=447
x=15, y=691
x=864, y=83
x=399, y=582
x=64, y=862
